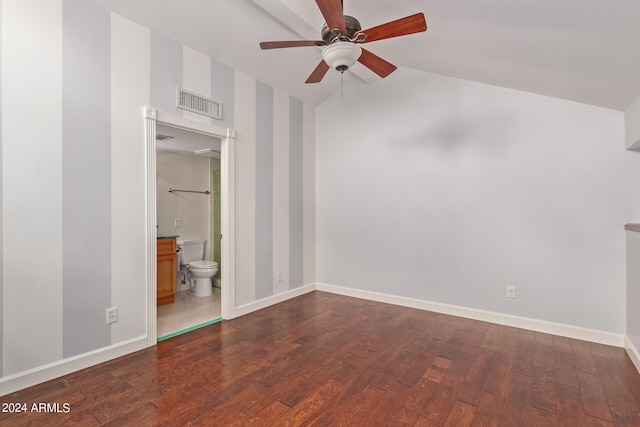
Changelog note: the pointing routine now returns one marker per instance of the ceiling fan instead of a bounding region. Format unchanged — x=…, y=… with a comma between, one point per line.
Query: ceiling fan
x=342, y=36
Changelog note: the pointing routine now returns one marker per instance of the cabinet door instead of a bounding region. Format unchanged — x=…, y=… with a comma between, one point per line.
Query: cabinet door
x=166, y=271
x=166, y=275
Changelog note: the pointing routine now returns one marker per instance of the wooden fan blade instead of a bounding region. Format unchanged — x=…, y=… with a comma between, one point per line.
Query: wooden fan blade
x=332, y=12
x=318, y=73
x=376, y=64
x=291, y=43
x=400, y=27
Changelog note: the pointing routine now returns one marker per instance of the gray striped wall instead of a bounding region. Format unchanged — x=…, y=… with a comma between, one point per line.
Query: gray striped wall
x=264, y=191
x=167, y=75
x=86, y=176
x=91, y=160
x=296, y=231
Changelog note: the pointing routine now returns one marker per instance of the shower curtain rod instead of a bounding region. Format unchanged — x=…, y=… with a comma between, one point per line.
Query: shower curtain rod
x=171, y=190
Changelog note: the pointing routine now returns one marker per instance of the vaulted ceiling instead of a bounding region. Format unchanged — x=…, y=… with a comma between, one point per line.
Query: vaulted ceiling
x=582, y=50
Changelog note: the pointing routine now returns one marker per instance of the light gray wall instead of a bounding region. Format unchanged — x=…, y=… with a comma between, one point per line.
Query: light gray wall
x=222, y=91
x=296, y=178
x=166, y=73
x=445, y=190
x=86, y=158
x=264, y=191
x=633, y=288
x=268, y=190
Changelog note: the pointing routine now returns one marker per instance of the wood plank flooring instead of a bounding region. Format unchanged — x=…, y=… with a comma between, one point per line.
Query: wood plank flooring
x=329, y=360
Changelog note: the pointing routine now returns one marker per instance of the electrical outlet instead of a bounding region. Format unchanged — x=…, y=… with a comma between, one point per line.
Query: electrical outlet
x=112, y=315
x=279, y=276
x=511, y=291
x=177, y=222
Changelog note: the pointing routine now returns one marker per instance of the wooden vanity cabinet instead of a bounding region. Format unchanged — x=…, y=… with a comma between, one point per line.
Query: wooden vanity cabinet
x=166, y=271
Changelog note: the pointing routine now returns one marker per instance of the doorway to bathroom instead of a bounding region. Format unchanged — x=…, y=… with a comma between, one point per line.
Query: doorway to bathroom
x=188, y=210
x=189, y=197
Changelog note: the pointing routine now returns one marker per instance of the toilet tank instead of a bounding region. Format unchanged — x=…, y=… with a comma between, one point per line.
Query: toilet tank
x=190, y=250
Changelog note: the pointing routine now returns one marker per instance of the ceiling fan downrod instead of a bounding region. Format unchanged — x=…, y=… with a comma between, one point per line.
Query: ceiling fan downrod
x=352, y=26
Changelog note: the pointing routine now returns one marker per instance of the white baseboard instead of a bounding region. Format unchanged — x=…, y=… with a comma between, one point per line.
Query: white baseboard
x=12, y=383
x=21, y=380
x=633, y=352
x=593, y=335
x=275, y=299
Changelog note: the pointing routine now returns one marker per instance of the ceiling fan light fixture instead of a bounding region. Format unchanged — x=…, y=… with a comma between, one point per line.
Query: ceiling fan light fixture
x=341, y=55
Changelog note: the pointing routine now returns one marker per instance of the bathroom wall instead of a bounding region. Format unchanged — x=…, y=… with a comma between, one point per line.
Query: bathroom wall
x=186, y=172
x=73, y=180
x=444, y=190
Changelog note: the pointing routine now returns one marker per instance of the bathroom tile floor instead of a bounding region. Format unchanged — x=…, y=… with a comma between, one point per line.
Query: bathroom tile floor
x=187, y=311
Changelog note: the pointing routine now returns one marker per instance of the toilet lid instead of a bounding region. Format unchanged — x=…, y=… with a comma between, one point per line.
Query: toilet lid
x=203, y=264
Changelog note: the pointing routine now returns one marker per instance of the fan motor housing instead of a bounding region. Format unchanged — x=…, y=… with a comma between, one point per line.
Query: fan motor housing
x=352, y=24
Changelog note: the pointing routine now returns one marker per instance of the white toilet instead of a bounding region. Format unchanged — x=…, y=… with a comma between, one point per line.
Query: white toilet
x=194, y=268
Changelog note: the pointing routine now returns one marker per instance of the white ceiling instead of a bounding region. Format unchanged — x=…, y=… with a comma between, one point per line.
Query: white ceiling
x=582, y=50
x=186, y=142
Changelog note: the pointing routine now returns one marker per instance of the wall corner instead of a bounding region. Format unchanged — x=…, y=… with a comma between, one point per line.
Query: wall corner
x=632, y=125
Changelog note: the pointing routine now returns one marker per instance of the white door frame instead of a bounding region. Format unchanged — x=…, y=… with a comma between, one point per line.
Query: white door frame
x=227, y=267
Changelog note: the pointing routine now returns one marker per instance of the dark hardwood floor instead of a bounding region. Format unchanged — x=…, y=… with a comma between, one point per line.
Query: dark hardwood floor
x=330, y=360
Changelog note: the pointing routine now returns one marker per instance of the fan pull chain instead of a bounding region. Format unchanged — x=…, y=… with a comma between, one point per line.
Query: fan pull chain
x=341, y=80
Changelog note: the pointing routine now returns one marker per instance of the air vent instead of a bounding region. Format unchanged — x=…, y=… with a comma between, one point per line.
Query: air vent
x=161, y=137
x=198, y=104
